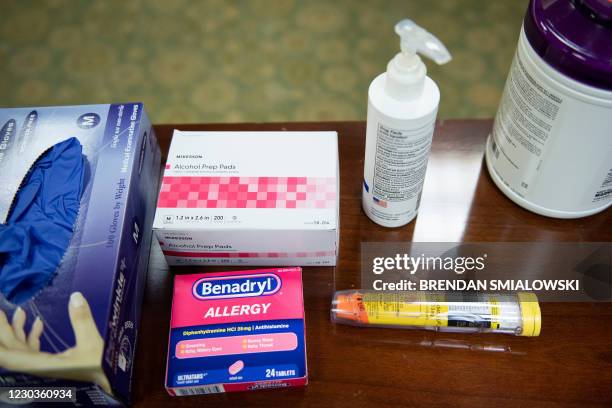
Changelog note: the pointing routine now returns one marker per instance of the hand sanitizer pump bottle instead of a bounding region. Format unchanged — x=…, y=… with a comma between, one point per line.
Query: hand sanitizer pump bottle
x=402, y=107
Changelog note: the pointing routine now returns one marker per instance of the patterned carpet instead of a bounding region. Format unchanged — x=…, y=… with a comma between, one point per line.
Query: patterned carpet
x=257, y=60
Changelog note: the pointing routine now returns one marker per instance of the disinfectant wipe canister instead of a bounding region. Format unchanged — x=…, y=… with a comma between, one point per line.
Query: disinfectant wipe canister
x=402, y=107
x=550, y=150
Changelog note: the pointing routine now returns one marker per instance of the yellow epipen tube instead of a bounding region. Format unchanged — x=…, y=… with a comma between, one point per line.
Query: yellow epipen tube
x=509, y=313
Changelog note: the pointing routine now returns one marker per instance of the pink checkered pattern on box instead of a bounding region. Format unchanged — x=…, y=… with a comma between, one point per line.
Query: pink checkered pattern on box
x=249, y=254
x=247, y=192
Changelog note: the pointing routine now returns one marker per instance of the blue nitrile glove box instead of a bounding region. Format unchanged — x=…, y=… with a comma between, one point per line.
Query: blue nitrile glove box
x=74, y=323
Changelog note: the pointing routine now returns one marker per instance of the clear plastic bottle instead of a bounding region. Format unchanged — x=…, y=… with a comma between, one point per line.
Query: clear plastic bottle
x=402, y=107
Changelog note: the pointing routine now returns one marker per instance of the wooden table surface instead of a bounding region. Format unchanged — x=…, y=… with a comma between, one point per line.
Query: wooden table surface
x=570, y=364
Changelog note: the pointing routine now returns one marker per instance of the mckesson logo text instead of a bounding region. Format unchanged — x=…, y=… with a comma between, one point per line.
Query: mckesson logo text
x=236, y=286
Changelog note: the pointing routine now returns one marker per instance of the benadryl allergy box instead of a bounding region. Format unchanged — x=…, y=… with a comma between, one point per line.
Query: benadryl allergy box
x=250, y=198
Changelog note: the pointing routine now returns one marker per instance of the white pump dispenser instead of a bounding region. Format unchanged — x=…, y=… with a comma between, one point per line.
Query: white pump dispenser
x=406, y=72
x=402, y=107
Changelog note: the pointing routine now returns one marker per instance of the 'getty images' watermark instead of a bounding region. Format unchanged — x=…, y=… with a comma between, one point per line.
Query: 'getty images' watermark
x=554, y=271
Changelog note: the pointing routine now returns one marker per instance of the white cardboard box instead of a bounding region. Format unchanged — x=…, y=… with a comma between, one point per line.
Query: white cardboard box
x=250, y=198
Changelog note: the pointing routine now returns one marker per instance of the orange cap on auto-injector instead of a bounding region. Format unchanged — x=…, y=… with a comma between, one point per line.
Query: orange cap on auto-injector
x=348, y=308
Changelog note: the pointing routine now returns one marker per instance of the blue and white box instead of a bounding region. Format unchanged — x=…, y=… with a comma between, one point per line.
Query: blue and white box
x=80, y=328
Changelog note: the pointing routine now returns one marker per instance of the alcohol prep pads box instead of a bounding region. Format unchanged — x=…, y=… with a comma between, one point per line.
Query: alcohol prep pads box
x=250, y=198
x=236, y=331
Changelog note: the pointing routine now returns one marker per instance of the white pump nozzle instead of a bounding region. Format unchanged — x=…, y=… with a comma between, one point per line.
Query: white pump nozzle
x=406, y=72
x=415, y=39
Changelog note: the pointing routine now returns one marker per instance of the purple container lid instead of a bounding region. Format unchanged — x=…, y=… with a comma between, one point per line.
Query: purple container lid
x=574, y=37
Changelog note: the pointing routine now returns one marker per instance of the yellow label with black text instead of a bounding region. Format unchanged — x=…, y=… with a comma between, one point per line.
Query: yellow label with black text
x=406, y=309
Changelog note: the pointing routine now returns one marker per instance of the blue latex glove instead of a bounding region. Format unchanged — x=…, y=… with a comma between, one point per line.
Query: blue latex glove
x=41, y=222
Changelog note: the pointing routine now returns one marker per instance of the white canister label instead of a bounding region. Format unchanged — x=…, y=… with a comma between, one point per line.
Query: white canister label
x=551, y=148
x=521, y=132
x=605, y=191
